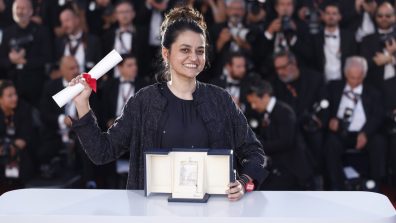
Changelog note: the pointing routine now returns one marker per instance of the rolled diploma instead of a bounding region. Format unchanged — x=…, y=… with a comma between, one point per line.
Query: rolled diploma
x=104, y=65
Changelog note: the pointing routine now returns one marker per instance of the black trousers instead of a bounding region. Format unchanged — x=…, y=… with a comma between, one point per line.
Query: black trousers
x=314, y=142
x=335, y=147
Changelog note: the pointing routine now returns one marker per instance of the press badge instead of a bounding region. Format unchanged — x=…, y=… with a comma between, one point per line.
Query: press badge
x=12, y=171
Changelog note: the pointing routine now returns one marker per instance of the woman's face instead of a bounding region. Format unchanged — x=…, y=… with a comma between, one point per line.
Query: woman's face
x=9, y=99
x=186, y=57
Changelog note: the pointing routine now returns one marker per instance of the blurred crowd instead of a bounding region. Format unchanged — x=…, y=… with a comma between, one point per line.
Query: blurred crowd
x=315, y=79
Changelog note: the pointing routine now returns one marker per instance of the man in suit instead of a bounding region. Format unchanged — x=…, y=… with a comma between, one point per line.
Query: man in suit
x=333, y=45
x=56, y=135
x=355, y=115
x=282, y=33
x=149, y=16
x=301, y=89
x=378, y=48
x=25, y=51
x=116, y=92
x=228, y=36
x=86, y=48
x=234, y=78
x=125, y=37
x=279, y=134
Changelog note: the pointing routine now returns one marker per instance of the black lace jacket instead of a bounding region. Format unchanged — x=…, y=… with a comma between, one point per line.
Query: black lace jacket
x=137, y=129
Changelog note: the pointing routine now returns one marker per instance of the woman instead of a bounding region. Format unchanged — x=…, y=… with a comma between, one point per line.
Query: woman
x=15, y=132
x=177, y=112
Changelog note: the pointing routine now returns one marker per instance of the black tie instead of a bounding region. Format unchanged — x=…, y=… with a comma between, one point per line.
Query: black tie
x=331, y=36
x=72, y=49
x=128, y=82
x=266, y=120
x=233, y=84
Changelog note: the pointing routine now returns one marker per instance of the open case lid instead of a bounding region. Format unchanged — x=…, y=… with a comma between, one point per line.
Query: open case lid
x=214, y=168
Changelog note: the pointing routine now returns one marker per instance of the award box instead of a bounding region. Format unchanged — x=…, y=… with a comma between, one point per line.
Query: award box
x=189, y=175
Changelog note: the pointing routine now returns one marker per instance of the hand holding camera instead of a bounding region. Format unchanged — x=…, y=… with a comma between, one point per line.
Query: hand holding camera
x=275, y=26
x=390, y=46
x=381, y=59
x=159, y=5
x=367, y=5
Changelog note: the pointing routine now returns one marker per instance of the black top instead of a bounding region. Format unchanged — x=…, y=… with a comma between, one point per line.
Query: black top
x=182, y=127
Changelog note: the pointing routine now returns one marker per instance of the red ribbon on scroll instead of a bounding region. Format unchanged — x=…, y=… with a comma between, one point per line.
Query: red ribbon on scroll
x=90, y=81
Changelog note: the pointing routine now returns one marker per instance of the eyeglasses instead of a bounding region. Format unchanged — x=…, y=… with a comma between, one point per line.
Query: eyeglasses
x=389, y=15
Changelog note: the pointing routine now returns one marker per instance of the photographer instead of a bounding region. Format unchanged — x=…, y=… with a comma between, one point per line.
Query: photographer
x=99, y=16
x=149, y=16
x=301, y=89
x=25, y=51
x=356, y=113
x=278, y=132
x=15, y=132
x=232, y=35
x=281, y=34
x=379, y=47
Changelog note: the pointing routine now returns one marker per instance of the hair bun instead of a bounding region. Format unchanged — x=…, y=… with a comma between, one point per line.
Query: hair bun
x=183, y=14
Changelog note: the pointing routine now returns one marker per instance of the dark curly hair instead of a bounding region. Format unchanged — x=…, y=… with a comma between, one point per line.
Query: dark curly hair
x=176, y=21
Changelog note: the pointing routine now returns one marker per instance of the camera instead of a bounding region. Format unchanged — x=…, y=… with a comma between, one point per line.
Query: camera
x=312, y=17
x=243, y=33
x=310, y=119
x=18, y=43
x=387, y=38
x=254, y=6
x=286, y=25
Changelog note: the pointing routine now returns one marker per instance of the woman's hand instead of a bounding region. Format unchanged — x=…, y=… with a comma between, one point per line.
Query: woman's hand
x=81, y=100
x=235, y=191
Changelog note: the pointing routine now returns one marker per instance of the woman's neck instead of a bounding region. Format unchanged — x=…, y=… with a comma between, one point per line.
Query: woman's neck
x=182, y=88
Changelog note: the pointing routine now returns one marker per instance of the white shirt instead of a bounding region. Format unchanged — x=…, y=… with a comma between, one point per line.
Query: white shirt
x=366, y=28
x=332, y=53
x=70, y=110
x=234, y=29
x=80, y=53
x=234, y=91
x=122, y=46
x=358, y=117
x=271, y=105
x=125, y=91
x=155, y=24
x=126, y=45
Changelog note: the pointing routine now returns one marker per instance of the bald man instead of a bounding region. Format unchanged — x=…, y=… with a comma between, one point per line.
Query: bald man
x=55, y=134
x=379, y=47
x=25, y=52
